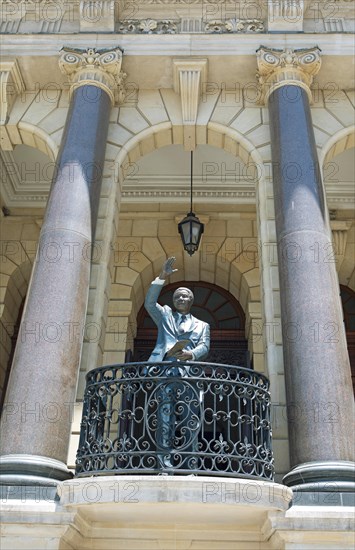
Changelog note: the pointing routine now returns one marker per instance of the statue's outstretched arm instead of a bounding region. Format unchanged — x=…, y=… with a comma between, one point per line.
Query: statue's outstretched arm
x=167, y=268
x=154, y=309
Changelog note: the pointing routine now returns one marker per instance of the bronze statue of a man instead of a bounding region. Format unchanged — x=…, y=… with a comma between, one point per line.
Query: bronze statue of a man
x=176, y=326
x=181, y=337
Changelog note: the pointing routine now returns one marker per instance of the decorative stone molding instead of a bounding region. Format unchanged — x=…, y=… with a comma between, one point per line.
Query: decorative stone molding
x=285, y=15
x=169, y=26
x=33, y=10
x=148, y=26
x=165, y=188
x=164, y=2
x=30, y=2
x=11, y=85
x=97, y=15
x=277, y=68
x=339, y=237
x=235, y=26
x=188, y=75
x=101, y=68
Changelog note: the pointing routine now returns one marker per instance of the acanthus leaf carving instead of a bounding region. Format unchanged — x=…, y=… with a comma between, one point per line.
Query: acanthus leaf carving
x=234, y=26
x=277, y=68
x=101, y=68
x=148, y=26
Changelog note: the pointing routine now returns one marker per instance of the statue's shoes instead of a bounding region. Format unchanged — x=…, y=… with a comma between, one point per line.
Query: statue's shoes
x=164, y=462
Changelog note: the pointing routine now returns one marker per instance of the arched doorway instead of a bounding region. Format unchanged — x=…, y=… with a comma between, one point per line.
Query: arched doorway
x=213, y=305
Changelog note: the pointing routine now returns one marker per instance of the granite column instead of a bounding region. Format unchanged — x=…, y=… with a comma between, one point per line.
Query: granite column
x=318, y=383
x=36, y=421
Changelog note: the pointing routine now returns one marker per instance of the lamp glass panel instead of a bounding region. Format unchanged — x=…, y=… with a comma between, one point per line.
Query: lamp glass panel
x=186, y=231
x=195, y=232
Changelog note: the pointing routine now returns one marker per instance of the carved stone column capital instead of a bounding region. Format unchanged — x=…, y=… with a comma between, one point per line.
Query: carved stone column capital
x=277, y=68
x=101, y=68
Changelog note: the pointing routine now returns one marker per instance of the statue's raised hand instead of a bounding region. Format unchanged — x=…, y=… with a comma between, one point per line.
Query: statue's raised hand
x=167, y=268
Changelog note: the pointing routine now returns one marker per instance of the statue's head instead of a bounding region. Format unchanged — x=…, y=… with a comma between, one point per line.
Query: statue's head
x=183, y=299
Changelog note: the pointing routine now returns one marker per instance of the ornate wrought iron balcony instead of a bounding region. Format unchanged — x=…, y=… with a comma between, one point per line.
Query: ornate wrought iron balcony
x=176, y=418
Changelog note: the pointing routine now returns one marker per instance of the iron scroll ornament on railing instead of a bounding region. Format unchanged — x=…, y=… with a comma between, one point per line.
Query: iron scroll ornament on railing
x=176, y=418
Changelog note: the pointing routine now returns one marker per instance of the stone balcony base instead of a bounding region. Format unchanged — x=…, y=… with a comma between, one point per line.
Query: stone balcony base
x=171, y=513
x=151, y=512
x=169, y=500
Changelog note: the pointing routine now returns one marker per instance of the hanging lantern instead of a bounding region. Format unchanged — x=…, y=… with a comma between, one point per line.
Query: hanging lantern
x=190, y=228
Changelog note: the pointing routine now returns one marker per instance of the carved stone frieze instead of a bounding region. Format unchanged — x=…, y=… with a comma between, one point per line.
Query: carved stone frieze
x=235, y=26
x=17, y=3
x=242, y=196
x=277, y=68
x=148, y=26
x=176, y=2
x=101, y=68
x=169, y=26
x=165, y=2
x=34, y=16
x=16, y=9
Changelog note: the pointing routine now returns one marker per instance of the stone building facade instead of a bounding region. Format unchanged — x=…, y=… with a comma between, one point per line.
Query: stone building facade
x=106, y=100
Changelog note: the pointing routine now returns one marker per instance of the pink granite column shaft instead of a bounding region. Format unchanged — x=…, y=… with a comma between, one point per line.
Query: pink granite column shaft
x=36, y=422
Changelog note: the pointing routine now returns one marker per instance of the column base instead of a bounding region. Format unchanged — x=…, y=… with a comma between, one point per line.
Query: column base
x=30, y=470
x=324, y=477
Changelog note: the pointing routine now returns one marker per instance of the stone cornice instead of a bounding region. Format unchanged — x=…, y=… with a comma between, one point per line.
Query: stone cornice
x=277, y=68
x=176, y=188
x=18, y=194
x=176, y=45
x=101, y=68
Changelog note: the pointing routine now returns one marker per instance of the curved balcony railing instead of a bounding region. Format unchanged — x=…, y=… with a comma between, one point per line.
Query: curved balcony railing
x=176, y=418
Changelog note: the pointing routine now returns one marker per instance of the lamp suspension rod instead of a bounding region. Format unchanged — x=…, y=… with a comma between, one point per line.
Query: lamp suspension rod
x=191, y=181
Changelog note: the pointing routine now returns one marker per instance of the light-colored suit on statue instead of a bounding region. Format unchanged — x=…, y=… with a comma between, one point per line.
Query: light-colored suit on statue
x=167, y=322
x=172, y=392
